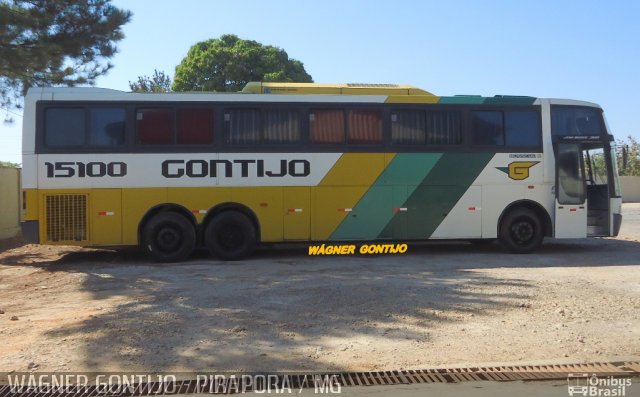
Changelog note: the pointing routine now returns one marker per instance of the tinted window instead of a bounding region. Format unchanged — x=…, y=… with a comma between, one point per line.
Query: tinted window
x=487, y=128
x=154, y=126
x=326, y=126
x=522, y=128
x=64, y=127
x=242, y=126
x=444, y=128
x=281, y=126
x=570, y=177
x=107, y=126
x=364, y=127
x=572, y=121
x=408, y=127
x=195, y=126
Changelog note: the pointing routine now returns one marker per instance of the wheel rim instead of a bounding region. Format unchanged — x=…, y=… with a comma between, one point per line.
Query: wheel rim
x=168, y=238
x=231, y=237
x=522, y=232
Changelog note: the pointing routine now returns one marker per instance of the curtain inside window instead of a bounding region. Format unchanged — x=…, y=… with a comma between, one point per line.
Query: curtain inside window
x=326, y=126
x=365, y=127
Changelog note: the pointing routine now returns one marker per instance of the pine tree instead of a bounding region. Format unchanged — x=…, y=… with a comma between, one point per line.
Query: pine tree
x=55, y=42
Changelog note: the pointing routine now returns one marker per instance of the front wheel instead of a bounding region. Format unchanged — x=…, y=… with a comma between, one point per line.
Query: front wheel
x=230, y=236
x=169, y=237
x=521, y=231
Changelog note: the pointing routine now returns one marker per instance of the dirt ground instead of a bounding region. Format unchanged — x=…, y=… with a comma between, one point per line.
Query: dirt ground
x=66, y=308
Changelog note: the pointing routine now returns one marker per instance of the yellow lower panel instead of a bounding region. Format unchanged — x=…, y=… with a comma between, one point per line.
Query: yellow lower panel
x=297, y=213
x=30, y=203
x=135, y=204
x=105, y=216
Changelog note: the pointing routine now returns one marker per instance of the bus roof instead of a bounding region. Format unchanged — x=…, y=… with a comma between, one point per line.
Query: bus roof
x=296, y=92
x=255, y=87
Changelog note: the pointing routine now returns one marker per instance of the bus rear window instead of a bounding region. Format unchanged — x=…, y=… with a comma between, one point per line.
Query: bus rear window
x=576, y=121
x=64, y=127
x=90, y=127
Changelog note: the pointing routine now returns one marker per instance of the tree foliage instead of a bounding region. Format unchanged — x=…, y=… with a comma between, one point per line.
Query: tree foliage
x=628, y=156
x=159, y=82
x=228, y=63
x=9, y=164
x=55, y=42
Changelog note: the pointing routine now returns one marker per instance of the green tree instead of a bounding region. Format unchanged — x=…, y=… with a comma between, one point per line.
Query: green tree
x=55, y=42
x=159, y=82
x=228, y=63
x=628, y=156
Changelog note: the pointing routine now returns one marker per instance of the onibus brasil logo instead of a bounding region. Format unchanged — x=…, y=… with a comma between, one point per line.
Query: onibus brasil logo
x=594, y=385
x=518, y=170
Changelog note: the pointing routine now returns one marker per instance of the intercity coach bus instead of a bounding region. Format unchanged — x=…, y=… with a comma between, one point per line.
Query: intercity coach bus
x=284, y=162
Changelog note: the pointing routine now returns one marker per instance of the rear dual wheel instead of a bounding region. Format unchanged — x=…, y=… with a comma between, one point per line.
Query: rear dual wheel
x=169, y=237
x=230, y=236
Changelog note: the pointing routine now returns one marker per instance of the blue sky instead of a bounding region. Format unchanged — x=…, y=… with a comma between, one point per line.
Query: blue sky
x=588, y=50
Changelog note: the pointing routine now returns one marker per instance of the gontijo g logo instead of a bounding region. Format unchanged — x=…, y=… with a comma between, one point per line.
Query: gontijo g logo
x=518, y=170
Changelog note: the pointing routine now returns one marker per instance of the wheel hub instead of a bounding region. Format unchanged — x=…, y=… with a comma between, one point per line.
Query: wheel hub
x=168, y=239
x=522, y=231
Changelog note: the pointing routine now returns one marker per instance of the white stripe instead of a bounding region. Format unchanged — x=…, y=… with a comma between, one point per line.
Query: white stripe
x=145, y=170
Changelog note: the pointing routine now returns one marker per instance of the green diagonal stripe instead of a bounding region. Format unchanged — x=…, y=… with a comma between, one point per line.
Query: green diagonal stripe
x=434, y=197
x=374, y=211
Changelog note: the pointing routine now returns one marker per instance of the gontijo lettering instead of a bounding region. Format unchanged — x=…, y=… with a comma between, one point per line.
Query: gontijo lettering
x=229, y=168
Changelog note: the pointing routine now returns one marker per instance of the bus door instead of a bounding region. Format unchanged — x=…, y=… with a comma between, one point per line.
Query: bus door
x=595, y=158
x=571, y=198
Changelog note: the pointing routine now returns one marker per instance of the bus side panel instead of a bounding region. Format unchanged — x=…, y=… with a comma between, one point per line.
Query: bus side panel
x=297, y=213
x=105, y=217
x=266, y=204
x=465, y=219
x=340, y=191
x=135, y=204
x=495, y=198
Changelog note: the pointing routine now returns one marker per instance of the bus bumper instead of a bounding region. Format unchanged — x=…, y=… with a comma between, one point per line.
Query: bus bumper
x=617, y=222
x=31, y=231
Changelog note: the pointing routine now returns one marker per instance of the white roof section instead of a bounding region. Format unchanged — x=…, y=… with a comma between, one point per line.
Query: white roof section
x=105, y=94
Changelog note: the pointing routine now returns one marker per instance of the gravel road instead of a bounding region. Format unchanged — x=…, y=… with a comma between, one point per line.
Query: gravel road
x=453, y=304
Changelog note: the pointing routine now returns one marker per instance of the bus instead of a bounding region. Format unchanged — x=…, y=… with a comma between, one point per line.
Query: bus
x=287, y=162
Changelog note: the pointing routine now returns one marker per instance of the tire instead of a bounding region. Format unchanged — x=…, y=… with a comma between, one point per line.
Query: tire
x=521, y=231
x=169, y=237
x=230, y=236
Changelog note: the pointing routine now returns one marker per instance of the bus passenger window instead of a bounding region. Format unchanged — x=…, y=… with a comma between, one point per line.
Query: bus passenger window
x=195, y=126
x=487, y=128
x=64, y=127
x=242, y=126
x=326, y=126
x=365, y=127
x=408, y=127
x=522, y=128
x=444, y=128
x=154, y=126
x=107, y=126
x=281, y=126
